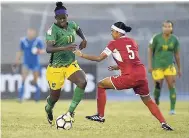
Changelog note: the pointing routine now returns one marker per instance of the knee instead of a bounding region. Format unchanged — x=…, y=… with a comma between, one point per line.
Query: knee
x=82, y=83
x=158, y=85
x=172, y=85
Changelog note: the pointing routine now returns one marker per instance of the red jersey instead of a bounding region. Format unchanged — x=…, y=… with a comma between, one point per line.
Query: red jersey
x=125, y=52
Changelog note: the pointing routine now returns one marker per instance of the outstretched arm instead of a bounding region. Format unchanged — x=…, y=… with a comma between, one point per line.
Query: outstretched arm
x=83, y=43
x=99, y=58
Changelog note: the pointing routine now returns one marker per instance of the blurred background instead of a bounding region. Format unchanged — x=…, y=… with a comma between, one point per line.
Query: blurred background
x=95, y=20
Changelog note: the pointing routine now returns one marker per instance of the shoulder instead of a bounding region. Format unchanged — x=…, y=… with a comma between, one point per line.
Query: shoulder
x=112, y=42
x=38, y=39
x=22, y=39
x=72, y=22
x=130, y=39
x=73, y=25
x=52, y=29
x=156, y=35
x=174, y=37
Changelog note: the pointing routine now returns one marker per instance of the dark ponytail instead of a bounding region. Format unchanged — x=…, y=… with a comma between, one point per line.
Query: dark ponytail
x=122, y=26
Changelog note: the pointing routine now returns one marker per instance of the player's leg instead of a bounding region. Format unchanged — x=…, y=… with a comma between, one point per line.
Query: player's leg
x=51, y=101
x=158, y=77
x=142, y=89
x=34, y=82
x=101, y=99
x=55, y=78
x=78, y=78
x=153, y=108
x=170, y=76
x=24, y=72
x=157, y=90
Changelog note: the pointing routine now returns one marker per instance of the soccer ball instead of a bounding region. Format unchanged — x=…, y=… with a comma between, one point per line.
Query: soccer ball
x=64, y=122
x=34, y=50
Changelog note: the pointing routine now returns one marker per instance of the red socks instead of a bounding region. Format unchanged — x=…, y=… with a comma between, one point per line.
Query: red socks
x=155, y=111
x=101, y=101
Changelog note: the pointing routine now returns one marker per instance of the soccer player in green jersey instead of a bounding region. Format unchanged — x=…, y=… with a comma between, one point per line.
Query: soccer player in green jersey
x=60, y=40
x=163, y=48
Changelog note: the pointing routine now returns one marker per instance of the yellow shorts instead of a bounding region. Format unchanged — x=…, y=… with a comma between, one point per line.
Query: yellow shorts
x=159, y=74
x=56, y=76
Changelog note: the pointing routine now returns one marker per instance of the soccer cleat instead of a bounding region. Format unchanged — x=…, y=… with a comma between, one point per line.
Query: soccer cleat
x=71, y=116
x=49, y=117
x=172, y=112
x=96, y=118
x=166, y=127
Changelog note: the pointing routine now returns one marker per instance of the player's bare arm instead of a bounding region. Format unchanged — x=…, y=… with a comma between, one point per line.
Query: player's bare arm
x=83, y=43
x=99, y=58
x=40, y=51
x=51, y=48
x=149, y=60
x=111, y=68
x=18, y=57
x=177, y=58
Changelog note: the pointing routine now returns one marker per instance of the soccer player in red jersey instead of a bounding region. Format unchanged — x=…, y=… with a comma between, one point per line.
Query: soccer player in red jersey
x=133, y=74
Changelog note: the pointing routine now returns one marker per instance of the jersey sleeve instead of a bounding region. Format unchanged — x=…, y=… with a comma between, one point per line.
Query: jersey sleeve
x=177, y=45
x=152, y=42
x=50, y=35
x=75, y=26
x=40, y=44
x=109, y=49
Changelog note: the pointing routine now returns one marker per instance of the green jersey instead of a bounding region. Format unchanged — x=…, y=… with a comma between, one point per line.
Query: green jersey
x=163, y=50
x=62, y=38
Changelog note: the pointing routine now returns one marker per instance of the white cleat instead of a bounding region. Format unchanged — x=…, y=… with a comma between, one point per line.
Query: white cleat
x=172, y=112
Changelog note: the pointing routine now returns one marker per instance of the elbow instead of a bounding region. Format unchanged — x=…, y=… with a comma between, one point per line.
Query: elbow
x=98, y=60
x=48, y=50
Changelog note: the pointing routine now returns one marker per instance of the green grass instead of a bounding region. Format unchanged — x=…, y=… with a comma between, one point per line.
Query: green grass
x=123, y=120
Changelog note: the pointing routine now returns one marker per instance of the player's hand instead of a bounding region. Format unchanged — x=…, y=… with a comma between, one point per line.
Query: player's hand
x=179, y=73
x=111, y=68
x=150, y=69
x=15, y=67
x=70, y=48
x=78, y=53
x=83, y=44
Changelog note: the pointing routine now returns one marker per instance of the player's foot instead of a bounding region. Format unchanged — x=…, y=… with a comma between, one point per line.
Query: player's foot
x=165, y=126
x=96, y=118
x=157, y=101
x=20, y=100
x=172, y=112
x=49, y=117
x=71, y=116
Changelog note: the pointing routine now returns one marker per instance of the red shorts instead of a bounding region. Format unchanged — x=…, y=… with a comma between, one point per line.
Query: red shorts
x=138, y=81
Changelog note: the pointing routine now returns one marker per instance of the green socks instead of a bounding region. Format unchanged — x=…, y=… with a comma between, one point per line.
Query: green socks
x=78, y=95
x=172, y=98
x=157, y=95
x=50, y=104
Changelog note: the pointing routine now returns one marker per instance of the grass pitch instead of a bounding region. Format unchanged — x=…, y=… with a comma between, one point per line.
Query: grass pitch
x=123, y=120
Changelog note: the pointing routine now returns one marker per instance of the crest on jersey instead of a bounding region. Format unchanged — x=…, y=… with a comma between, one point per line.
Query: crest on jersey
x=53, y=85
x=164, y=47
x=171, y=45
